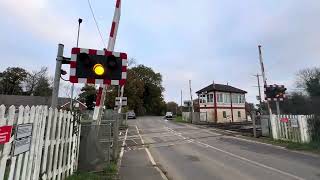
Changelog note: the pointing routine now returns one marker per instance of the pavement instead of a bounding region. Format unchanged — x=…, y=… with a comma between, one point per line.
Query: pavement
x=158, y=149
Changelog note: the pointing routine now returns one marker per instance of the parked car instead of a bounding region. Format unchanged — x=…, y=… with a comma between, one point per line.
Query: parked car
x=131, y=115
x=169, y=115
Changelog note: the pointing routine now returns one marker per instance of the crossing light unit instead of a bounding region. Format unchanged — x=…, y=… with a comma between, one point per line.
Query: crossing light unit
x=98, y=67
x=275, y=92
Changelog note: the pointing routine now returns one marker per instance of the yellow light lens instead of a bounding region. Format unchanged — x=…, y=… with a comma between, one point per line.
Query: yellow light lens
x=98, y=69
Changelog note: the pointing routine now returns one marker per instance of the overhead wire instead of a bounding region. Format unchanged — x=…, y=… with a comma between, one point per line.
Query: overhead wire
x=97, y=25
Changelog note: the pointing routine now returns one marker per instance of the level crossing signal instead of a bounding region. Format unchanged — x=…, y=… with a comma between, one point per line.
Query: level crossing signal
x=98, y=67
x=275, y=92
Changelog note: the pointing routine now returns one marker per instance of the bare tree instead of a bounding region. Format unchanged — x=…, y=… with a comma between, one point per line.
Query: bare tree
x=309, y=80
x=132, y=62
x=34, y=78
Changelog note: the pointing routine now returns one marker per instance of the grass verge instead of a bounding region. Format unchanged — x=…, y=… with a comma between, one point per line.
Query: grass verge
x=313, y=147
x=108, y=173
x=179, y=119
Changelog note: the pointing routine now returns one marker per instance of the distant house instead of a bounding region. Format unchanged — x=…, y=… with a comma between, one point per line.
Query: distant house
x=17, y=100
x=222, y=103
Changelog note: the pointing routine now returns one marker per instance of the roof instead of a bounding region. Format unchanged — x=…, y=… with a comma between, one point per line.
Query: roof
x=222, y=88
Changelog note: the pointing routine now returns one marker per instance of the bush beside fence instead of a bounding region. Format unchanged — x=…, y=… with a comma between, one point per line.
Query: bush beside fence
x=314, y=128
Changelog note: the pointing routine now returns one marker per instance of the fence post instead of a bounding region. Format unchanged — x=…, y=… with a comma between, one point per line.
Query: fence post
x=66, y=146
x=14, y=158
x=77, y=148
x=32, y=148
x=274, y=129
x=70, y=145
x=52, y=143
x=58, y=141
x=303, y=123
x=46, y=144
x=62, y=143
x=39, y=143
x=27, y=155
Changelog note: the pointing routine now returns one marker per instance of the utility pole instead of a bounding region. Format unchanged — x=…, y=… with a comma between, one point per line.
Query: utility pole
x=57, y=74
x=181, y=102
x=72, y=86
x=192, y=109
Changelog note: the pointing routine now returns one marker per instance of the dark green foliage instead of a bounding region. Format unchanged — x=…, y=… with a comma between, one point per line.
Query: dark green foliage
x=172, y=107
x=17, y=81
x=144, y=92
x=314, y=128
x=11, y=81
x=88, y=95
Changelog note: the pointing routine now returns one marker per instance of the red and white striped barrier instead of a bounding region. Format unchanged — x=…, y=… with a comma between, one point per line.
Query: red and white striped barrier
x=111, y=44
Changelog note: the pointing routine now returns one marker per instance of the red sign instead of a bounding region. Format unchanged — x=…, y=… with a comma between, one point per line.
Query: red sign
x=285, y=120
x=5, y=134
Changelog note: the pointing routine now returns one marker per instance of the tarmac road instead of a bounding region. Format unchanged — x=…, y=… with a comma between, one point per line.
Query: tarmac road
x=188, y=152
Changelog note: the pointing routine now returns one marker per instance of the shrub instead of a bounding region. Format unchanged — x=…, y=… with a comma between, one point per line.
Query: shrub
x=314, y=128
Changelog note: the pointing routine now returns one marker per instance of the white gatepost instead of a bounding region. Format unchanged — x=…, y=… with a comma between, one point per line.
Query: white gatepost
x=274, y=126
x=303, y=122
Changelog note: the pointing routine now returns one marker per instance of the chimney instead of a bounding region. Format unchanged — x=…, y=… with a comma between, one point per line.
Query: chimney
x=213, y=84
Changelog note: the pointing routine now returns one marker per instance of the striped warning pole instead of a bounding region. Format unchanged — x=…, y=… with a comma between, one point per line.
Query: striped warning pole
x=112, y=40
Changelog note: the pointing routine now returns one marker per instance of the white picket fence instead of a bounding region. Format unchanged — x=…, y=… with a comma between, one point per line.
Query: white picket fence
x=290, y=127
x=54, y=148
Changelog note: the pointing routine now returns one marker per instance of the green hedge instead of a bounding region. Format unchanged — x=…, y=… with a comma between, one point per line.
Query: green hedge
x=314, y=128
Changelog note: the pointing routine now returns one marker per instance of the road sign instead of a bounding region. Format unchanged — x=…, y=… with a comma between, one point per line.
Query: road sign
x=23, y=130
x=21, y=145
x=22, y=140
x=294, y=122
x=124, y=101
x=284, y=120
x=5, y=134
x=98, y=67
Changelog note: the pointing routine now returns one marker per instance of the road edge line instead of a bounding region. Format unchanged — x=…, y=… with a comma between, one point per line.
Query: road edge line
x=154, y=164
x=122, y=149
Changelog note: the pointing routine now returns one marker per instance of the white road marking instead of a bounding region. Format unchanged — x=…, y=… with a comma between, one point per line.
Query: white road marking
x=142, y=141
x=150, y=157
x=243, y=158
x=122, y=149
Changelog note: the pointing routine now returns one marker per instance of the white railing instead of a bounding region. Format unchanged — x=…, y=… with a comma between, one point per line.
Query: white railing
x=54, y=144
x=290, y=127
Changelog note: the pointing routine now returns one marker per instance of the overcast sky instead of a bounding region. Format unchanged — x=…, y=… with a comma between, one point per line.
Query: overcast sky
x=201, y=40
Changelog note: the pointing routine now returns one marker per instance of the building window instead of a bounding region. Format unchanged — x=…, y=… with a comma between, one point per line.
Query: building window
x=226, y=98
x=235, y=98
x=219, y=98
x=224, y=114
x=202, y=98
x=242, y=98
x=239, y=114
x=210, y=98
